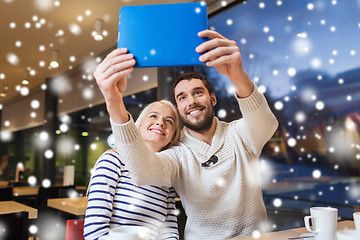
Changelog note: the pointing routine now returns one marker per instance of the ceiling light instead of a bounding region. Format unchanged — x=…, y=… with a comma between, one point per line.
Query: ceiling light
x=98, y=36
x=54, y=60
x=3, y=90
x=25, y=81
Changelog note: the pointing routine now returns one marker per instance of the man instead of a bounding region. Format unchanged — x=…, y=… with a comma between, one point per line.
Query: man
x=215, y=168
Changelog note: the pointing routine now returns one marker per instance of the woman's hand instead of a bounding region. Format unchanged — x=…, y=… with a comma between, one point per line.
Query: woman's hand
x=111, y=73
x=111, y=77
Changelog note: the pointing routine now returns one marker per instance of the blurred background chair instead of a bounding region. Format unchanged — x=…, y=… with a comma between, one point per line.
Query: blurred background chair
x=74, y=229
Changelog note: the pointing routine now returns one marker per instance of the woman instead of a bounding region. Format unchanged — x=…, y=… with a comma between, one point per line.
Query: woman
x=114, y=201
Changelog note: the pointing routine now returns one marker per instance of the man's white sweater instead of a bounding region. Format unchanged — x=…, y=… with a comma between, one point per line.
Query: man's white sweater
x=223, y=200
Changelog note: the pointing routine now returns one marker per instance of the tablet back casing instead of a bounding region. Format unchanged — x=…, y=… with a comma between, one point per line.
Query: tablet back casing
x=163, y=34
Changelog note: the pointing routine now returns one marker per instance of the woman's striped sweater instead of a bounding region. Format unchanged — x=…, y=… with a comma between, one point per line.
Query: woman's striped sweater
x=114, y=201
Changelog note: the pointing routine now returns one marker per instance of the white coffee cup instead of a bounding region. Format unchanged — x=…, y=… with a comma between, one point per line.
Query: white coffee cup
x=127, y=233
x=356, y=216
x=347, y=234
x=324, y=222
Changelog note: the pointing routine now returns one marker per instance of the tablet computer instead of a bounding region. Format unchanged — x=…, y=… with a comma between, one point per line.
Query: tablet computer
x=163, y=34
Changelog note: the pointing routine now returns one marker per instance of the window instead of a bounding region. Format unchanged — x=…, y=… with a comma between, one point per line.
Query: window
x=88, y=133
x=305, y=57
x=81, y=138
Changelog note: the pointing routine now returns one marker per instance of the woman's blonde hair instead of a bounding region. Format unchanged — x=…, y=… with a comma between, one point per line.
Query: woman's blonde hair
x=138, y=122
x=177, y=120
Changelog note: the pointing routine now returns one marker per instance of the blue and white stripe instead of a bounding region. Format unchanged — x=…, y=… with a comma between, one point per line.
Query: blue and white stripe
x=115, y=201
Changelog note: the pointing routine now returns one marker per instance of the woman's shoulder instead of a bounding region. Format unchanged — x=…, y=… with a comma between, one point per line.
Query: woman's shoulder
x=112, y=156
x=111, y=153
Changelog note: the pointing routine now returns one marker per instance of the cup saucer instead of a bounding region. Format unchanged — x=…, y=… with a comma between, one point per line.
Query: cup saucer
x=309, y=236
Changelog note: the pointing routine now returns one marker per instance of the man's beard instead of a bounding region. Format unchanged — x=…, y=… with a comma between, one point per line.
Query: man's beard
x=202, y=126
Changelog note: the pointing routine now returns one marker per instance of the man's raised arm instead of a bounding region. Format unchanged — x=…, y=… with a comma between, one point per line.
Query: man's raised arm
x=224, y=55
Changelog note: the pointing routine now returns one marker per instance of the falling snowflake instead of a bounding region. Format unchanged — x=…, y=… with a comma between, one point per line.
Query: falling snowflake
x=44, y=5
x=316, y=63
x=316, y=174
x=33, y=229
x=291, y=142
x=145, y=78
x=256, y=234
x=6, y=123
x=291, y=72
x=220, y=182
x=35, y=104
x=111, y=141
x=48, y=154
x=222, y=113
x=32, y=180
x=88, y=93
x=300, y=117
x=46, y=183
x=13, y=59
x=278, y=105
x=277, y=202
x=319, y=105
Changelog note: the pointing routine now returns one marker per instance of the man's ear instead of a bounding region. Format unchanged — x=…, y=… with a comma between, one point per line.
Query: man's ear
x=213, y=99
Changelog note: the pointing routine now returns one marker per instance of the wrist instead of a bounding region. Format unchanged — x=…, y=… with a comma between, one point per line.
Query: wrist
x=117, y=112
x=243, y=84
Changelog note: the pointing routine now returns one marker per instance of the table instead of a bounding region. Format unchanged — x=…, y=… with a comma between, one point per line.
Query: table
x=25, y=191
x=13, y=207
x=76, y=206
x=296, y=232
x=4, y=184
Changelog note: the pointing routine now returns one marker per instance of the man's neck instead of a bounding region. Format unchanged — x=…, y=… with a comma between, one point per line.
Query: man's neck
x=205, y=136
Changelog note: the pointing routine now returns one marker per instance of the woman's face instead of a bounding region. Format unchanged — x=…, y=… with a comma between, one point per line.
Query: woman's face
x=158, y=126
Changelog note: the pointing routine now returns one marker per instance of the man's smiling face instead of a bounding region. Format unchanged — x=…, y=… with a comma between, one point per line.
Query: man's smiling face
x=195, y=104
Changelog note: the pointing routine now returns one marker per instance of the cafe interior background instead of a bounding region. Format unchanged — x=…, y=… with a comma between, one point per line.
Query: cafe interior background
x=304, y=56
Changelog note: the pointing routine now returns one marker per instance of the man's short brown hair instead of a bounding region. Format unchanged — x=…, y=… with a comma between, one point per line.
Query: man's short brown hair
x=189, y=76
